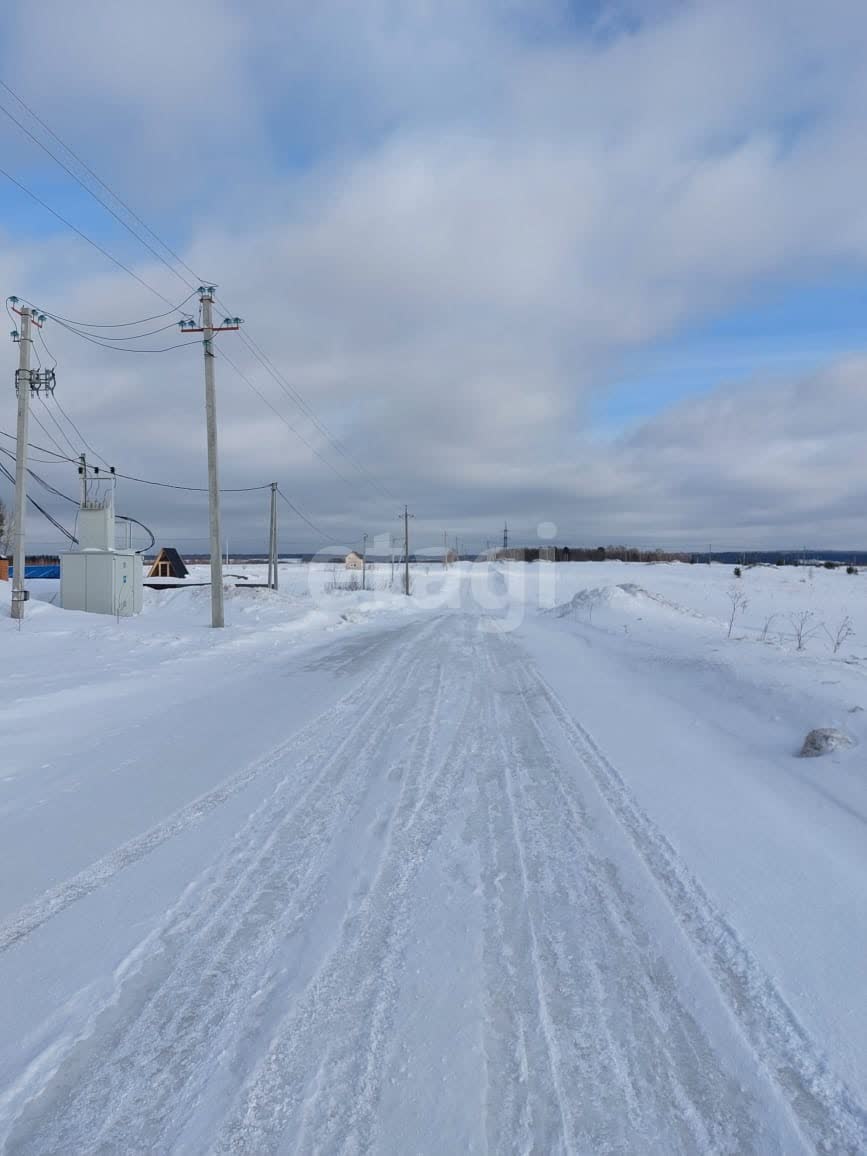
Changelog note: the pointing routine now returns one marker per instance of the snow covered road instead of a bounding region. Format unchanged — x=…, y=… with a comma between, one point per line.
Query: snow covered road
x=431, y=919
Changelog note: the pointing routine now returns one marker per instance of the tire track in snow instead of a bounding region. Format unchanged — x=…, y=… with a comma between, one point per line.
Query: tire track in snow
x=634, y=1069
x=318, y=1085
x=142, y=1060
x=826, y=1112
x=32, y=915
x=538, y=1117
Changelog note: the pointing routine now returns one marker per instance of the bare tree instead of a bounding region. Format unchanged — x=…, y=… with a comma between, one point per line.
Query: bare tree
x=804, y=627
x=844, y=630
x=739, y=603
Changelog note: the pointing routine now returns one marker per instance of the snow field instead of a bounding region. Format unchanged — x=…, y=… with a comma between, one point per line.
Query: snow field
x=525, y=862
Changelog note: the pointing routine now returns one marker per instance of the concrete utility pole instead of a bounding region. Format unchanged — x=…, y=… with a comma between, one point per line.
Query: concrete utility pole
x=406, y=517
x=208, y=329
x=272, y=540
x=364, y=564
x=22, y=382
x=82, y=469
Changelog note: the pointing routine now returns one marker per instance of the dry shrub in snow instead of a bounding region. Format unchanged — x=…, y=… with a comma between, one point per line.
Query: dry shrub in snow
x=844, y=631
x=738, y=603
x=804, y=626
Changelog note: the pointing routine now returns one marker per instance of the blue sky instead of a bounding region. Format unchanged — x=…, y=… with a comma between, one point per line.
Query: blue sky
x=602, y=265
x=782, y=330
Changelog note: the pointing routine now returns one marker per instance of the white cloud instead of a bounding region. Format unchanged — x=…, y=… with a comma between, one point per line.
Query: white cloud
x=447, y=225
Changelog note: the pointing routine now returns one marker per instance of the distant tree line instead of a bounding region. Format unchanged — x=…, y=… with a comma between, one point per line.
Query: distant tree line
x=590, y=554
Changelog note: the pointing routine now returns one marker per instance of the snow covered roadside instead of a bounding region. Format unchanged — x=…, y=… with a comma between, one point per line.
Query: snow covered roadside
x=110, y=725
x=520, y=872
x=705, y=729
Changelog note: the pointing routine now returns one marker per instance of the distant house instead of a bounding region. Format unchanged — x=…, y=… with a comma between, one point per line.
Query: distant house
x=168, y=564
x=354, y=561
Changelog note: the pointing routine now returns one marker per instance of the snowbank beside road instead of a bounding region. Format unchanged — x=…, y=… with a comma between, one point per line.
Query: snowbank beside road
x=706, y=730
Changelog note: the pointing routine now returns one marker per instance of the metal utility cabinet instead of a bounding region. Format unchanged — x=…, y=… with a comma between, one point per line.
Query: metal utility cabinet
x=96, y=576
x=103, y=582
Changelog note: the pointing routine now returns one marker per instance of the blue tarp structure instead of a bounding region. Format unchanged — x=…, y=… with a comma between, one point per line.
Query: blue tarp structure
x=38, y=571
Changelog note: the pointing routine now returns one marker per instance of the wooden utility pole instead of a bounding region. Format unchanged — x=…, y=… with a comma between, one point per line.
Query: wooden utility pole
x=208, y=329
x=364, y=565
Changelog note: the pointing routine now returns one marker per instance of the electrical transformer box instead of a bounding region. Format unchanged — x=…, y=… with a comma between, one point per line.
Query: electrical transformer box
x=101, y=581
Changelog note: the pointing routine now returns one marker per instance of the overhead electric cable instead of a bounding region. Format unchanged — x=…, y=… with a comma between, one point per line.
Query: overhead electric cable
x=301, y=402
x=81, y=436
x=105, y=337
x=99, y=180
x=41, y=449
x=147, y=529
x=83, y=236
x=304, y=518
x=75, y=449
x=95, y=196
x=179, y=308
x=193, y=489
x=283, y=419
x=51, y=438
x=125, y=348
x=8, y=474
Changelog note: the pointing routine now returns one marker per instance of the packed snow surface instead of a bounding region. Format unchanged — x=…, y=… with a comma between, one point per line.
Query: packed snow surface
x=525, y=862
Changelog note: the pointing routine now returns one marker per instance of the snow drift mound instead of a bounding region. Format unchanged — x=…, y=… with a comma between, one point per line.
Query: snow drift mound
x=585, y=600
x=626, y=596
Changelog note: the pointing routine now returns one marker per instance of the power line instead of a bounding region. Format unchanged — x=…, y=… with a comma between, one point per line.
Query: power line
x=100, y=181
x=283, y=419
x=57, y=525
x=105, y=337
x=84, y=440
x=123, y=348
x=95, y=196
x=75, y=449
x=114, y=324
x=300, y=401
x=254, y=348
x=143, y=481
x=41, y=449
x=147, y=529
x=192, y=489
x=73, y=501
x=304, y=518
x=51, y=438
x=83, y=236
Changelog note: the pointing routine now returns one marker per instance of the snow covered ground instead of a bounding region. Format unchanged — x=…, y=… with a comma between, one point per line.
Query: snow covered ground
x=524, y=863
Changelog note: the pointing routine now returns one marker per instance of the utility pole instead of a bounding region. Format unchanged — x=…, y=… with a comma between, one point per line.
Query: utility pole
x=364, y=565
x=445, y=549
x=22, y=382
x=406, y=517
x=27, y=381
x=82, y=469
x=505, y=535
x=208, y=329
x=272, y=540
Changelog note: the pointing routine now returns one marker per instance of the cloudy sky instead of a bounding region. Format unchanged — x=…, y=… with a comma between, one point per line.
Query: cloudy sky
x=601, y=263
